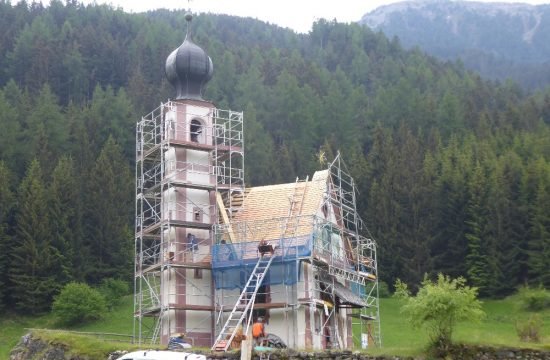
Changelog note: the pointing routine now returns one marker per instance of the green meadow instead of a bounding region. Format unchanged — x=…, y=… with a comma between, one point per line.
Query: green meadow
x=398, y=337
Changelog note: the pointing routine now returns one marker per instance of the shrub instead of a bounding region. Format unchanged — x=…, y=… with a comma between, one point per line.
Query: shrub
x=530, y=330
x=78, y=303
x=534, y=299
x=439, y=305
x=113, y=290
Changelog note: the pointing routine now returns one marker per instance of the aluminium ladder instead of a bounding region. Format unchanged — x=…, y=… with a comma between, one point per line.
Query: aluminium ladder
x=243, y=304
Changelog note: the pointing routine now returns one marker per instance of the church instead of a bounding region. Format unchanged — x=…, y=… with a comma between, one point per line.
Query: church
x=212, y=256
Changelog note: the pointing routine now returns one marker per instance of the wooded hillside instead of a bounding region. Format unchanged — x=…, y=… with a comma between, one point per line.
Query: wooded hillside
x=453, y=171
x=500, y=40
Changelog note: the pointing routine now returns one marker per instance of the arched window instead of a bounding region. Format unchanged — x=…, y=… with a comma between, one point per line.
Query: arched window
x=196, y=130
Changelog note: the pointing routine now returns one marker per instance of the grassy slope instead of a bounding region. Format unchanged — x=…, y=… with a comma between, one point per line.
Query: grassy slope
x=398, y=336
x=119, y=321
x=497, y=329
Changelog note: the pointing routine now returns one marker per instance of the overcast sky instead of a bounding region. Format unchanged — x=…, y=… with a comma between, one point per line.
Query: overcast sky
x=295, y=14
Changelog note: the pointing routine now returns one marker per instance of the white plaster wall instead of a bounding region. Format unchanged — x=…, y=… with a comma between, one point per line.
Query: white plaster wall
x=199, y=293
x=170, y=120
x=281, y=324
x=316, y=326
x=300, y=339
x=200, y=199
x=167, y=296
x=170, y=162
x=169, y=204
x=278, y=293
x=199, y=172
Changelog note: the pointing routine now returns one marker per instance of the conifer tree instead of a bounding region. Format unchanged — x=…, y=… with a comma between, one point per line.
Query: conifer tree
x=539, y=243
x=478, y=260
x=6, y=203
x=108, y=215
x=15, y=121
x=450, y=245
x=508, y=222
x=11, y=129
x=63, y=202
x=47, y=130
x=32, y=270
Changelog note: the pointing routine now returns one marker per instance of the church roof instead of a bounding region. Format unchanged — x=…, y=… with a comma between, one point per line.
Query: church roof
x=271, y=205
x=273, y=201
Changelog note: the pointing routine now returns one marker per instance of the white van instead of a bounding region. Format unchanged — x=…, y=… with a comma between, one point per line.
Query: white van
x=161, y=355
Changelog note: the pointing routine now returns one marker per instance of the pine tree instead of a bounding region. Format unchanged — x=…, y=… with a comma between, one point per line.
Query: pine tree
x=479, y=261
x=108, y=215
x=450, y=246
x=47, y=130
x=31, y=271
x=508, y=222
x=63, y=202
x=6, y=203
x=539, y=243
x=15, y=121
x=10, y=131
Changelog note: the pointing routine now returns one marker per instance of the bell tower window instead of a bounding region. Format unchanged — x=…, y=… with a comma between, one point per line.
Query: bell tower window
x=196, y=131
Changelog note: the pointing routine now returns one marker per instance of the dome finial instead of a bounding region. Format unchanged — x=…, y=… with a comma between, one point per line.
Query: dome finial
x=188, y=67
x=188, y=18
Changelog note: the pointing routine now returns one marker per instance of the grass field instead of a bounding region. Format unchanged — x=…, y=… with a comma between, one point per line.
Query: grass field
x=12, y=328
x=497, y=329
x=399, y=338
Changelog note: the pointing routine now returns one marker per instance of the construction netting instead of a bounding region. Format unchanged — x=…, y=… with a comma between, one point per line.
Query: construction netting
x=232, y=263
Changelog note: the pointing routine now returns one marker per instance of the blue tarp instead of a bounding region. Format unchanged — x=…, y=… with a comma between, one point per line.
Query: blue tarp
x=232, y=264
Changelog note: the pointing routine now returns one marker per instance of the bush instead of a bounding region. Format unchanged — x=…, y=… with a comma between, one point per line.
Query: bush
x=530, y=330
x=113, y=290
x=78, y=303
x=534, y=299
x=438, y=306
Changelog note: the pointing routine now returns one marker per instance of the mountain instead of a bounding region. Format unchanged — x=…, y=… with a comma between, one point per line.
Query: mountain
x=499, y=40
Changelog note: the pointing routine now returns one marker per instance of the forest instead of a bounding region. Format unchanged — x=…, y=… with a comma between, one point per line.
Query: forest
x=453, y=171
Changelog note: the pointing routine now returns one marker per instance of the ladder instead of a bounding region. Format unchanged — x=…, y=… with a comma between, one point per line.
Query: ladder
x=295, y=209
x=297, y=200
x=243, y=304
x=350, y=275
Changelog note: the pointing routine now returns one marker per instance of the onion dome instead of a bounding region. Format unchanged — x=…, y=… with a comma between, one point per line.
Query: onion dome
x=189, y=68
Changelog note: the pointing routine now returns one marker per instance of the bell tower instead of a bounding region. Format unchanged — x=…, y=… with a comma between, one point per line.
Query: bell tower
x=189, y=158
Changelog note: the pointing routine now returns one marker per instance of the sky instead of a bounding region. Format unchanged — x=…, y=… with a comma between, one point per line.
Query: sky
x=298, y=15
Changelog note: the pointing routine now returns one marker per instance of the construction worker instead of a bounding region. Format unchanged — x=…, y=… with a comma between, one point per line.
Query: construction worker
x=264, y=248
x=177, y=342
x=258, y=331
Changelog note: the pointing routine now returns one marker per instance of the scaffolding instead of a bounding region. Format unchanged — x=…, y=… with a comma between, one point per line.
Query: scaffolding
x=346, y=274
x=349, y=263
x=157, y=251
